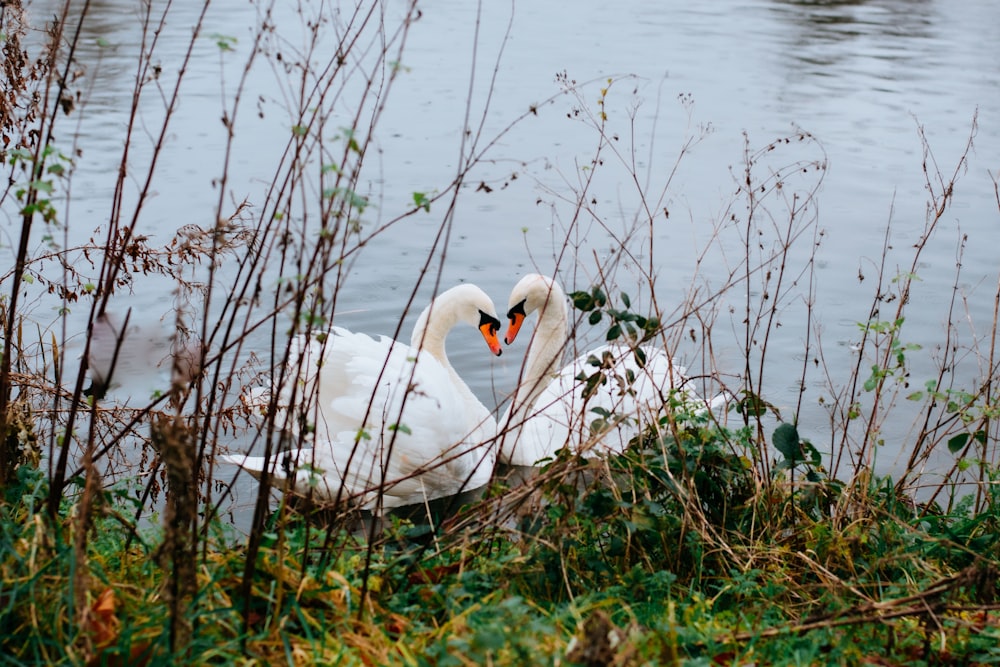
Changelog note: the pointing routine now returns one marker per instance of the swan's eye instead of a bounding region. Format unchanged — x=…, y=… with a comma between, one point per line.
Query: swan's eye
x=516, y=315
x=489, y=322
x=489, y=326
x=517, y=312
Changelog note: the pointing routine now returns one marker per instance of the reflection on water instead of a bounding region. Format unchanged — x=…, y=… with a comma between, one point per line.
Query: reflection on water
x=822, y=24
x=845, y=48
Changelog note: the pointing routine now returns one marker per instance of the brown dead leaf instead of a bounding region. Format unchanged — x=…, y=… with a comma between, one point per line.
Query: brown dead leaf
x=101, y=623
x=434, y=575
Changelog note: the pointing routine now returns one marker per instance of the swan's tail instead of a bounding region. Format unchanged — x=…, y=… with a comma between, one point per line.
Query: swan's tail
x=255, y=465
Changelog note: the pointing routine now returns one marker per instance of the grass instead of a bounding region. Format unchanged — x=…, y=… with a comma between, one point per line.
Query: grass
x=728, y=538
x=672, y=562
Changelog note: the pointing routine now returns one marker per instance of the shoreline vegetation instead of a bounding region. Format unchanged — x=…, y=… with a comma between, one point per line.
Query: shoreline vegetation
x=713, y=539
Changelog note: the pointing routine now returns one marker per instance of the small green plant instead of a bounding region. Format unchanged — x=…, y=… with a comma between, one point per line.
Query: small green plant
x=422, y=201
x=224, y=42
x=626, y=327
x=624, y=324
x=888, y=332
x=815, y=491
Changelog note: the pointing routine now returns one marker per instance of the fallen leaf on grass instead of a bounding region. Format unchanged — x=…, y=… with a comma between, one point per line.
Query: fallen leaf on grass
x=103, y=625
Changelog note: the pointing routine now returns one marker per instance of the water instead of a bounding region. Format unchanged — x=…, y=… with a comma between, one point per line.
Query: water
x=860, y=77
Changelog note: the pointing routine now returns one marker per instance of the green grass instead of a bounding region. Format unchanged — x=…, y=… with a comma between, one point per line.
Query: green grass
x=677, y=563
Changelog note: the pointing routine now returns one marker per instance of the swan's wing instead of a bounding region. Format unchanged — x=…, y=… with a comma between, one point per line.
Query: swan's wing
x=604, y=415
x=281, y=464
x=388, y=412
x=376, y=410
x=308, y=469
x=252, y=464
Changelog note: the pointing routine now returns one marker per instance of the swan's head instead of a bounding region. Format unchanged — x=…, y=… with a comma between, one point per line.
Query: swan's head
x=489, y=326
x=479, y=311
x=465, y=303
x=533, y=292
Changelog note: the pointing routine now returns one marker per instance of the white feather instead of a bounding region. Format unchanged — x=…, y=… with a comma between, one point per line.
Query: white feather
x=391, y=420
x=549, y=410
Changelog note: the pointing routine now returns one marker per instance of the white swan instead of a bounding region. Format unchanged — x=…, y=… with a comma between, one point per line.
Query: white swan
x=394, y=424
x=548, y=410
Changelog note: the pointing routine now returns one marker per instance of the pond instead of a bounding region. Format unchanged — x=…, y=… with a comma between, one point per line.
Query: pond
x=687, y=90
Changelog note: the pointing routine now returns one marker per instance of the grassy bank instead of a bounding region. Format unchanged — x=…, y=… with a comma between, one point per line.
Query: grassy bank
x=674, y=554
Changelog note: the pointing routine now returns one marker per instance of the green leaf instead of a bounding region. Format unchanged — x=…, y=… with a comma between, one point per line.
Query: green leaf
x=958, y=442
x=614, y=332
x=491, y=638
x=595, y=317
x=348, y=195
x=42, y=186
x=582, y=301
x=626, y=300
x=873, y=379
x=402, y=428
x=593, y=382
x=224, y=42
x=421, y=201
x=786, y=440
x=753, y=405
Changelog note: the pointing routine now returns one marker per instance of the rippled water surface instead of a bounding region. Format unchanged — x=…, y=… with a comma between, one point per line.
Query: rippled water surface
x=860, y=77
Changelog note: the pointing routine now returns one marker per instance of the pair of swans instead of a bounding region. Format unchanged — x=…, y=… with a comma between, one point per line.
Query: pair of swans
x=395, y=425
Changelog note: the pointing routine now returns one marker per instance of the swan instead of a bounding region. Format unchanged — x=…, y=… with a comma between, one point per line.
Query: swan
x=394, y=424
x=548, y=409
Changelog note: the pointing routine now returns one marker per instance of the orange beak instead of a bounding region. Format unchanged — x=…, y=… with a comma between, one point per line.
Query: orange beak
x=490, y=327
x=516, y=316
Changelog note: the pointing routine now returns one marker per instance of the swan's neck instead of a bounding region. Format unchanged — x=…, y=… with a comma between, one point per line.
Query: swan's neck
x=544, y=352
x=431, y=330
